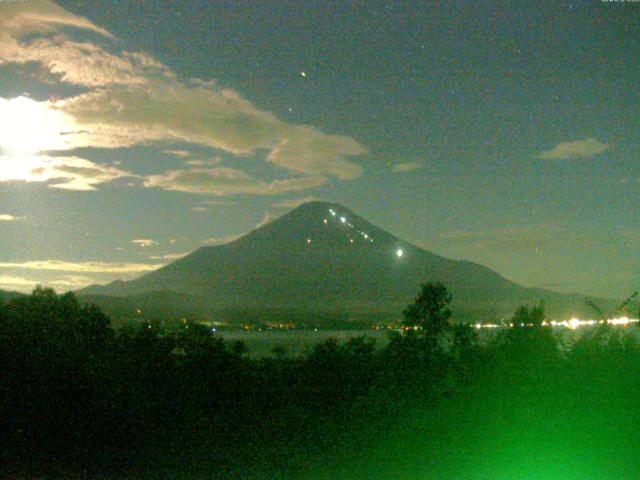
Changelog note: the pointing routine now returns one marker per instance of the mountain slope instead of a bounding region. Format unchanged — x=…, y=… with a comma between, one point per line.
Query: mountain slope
x=323, y=257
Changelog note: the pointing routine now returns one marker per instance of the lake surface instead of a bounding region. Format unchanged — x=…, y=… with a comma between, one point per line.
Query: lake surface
x=297, y=342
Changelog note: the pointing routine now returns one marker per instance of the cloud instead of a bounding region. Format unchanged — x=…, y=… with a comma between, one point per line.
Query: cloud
x=28, y=129
x=307, y=150
x=130, y=99
x=204, y=163
x=81, y=63
x=59, y=282
x=71, y=282
x=178, y=153
x=69, y=173
x=168, y=110
x=86, y=267
x=5, y=217
x=145, y=242
x=221, y=240
x=11, y=282
x=293, y=202
x=169, y=256
x=227, y=181
x=587, y=148
x=406, y=167
x=41, y=16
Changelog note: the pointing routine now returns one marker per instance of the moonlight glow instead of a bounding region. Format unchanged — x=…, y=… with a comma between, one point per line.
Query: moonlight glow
x=28, y=127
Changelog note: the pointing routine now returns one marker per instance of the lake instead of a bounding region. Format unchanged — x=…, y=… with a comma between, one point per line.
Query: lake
x=296, y=342
x=299, y=342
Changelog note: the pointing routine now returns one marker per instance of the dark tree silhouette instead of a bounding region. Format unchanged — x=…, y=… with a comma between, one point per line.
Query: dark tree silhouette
x=521, y=316
x=430, y=311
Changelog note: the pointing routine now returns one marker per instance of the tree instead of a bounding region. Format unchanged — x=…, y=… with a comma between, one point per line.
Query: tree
x=521, y=316
x=430, y=311
x=528, y=317
x=536, y=315
x=528, y=343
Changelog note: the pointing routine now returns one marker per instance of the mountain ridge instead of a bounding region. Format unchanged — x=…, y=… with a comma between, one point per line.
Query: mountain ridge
x=323, y=257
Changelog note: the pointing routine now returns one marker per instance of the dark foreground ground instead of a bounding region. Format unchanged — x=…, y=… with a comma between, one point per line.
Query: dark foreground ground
x=78, y=400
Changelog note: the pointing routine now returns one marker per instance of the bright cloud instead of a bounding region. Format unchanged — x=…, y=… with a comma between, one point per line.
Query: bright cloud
x=12, y=282
x=145, y=242
x=169, y=256
x=228, y=181
x=69, y=173
x=71, y=282
x=587, y=148
x=178, y=153
x=28, y=129
x=221, y=240
x=293, y=202
x=406, y=167
x=87, y=267
x=41, y=16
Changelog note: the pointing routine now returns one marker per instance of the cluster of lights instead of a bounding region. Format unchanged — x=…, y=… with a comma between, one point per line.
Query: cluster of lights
x=573, y=323
x=577, y=323
x=346, y=222
x=486, y=325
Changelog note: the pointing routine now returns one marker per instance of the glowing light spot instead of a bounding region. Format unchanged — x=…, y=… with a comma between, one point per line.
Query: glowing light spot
x=308, y=240
x=343, y=220
x=365, y=235
x=28, y=127
x=574, y=323
x=621, y=321
x=303, y=74
x=399, y=252
x=325, y=221
x=351, y=240
x=333, y=213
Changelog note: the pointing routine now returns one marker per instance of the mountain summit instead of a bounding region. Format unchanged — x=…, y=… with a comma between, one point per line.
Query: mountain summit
x=322, y=257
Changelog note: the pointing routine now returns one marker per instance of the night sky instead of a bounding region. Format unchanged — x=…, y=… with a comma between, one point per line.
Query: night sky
x=504, y=133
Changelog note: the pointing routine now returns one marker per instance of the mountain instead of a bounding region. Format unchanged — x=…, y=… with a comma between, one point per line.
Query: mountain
x=323, y=259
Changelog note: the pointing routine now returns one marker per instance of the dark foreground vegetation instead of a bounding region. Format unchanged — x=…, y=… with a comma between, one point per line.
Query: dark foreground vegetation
x=79, y=400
